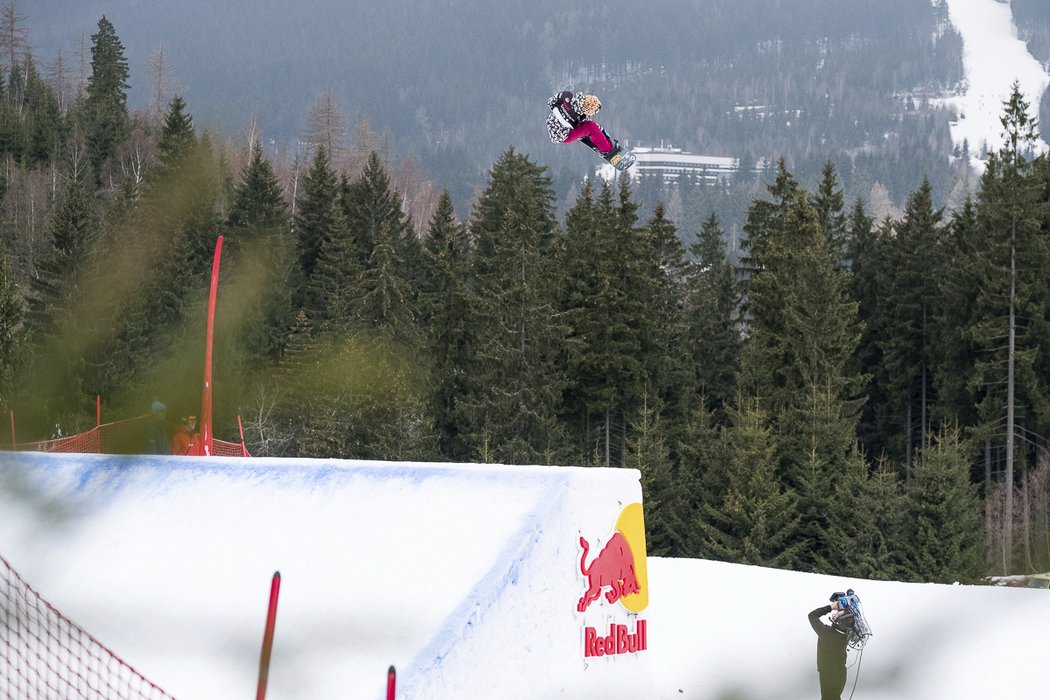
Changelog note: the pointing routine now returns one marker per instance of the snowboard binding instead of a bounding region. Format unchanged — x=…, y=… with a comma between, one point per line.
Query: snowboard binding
x=617, y=157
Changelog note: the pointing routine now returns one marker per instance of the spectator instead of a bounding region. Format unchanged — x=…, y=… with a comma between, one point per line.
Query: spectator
x=185, y=441
x=157, y=432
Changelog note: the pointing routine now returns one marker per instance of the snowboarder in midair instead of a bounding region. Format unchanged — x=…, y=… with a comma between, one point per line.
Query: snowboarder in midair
x=571, y=119
x=831, y=647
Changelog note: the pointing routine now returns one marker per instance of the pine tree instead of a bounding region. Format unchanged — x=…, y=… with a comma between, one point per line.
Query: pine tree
x=258, y=225
x=712, y=305
x=371, y=205
x=382, y=295
x=804, y=330
x=755, y=521
x=869, y=284
x=445, y=299
x=605, y=345
x=829, y=204
x=44, y=126
x=515, y=367
x=1009, y=329
x=664, y=330
x=12, y=333
x=383, y=298
x=73, y=232
x=797, y=361
x=954, y=345
x=701, y=466
x=318, y=219
x=867, y=537
x=258, y=204
x=945, y=538
x=180, y=211
x=56, y=311
x=668, y=523
x=105, y=106
x=176, y=140
x=907, y=343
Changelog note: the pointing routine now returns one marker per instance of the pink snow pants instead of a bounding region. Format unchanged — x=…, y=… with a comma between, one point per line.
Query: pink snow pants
x=590, y=129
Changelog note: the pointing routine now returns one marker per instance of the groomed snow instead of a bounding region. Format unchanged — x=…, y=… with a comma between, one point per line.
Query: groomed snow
x=464, y=576
x=993, y=59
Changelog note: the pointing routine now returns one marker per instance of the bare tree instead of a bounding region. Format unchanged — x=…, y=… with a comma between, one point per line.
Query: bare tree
x=26, y=207
x=83, y=61
x=266, y=433
x=162, y=83
x=60, y=80
x=328, y=126
x=1037, y=520
x=14, y=38
x=367, y=140
x=136, y=155
x=288, y=174
x=420, y=196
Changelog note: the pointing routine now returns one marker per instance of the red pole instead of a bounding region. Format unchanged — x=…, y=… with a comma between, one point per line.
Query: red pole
x=13, y=443
x=267, y=646
x=391, y=683
x=98, y=423
x=206, y=431
x=244, y=448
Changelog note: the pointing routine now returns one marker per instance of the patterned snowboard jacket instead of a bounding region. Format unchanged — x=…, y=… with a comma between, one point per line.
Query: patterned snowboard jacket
x=566, y=113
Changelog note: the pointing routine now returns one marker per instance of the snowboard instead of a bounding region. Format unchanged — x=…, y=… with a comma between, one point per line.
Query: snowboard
x=620, y=158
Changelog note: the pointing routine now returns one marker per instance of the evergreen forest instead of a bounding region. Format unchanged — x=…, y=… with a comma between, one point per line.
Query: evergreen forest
x=449, y=85
x=850, y=394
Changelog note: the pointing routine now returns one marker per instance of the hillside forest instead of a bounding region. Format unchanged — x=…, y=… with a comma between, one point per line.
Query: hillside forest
x=849, y=394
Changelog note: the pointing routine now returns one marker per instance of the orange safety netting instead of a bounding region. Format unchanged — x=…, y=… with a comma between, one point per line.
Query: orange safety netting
x=45, y=655
x=121, y=437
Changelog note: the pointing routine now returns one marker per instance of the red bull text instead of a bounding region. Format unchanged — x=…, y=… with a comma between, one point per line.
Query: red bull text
x=619, y=640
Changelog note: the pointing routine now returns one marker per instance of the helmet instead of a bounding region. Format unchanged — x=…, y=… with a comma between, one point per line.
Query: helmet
x=591, y=105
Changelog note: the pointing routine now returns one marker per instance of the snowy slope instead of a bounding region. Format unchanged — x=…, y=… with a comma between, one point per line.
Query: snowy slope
x=993, y=59
x=168, y=561
x=731, y=631
x=464, y=576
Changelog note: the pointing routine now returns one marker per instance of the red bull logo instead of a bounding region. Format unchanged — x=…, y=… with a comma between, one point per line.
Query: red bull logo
x=612, y=569
x=618, y=574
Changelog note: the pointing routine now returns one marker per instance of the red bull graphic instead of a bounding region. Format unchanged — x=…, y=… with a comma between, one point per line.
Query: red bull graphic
x=613, y=568
x=618, y=574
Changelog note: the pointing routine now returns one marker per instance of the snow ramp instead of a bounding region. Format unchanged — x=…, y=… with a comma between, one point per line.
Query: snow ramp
x=468, y=578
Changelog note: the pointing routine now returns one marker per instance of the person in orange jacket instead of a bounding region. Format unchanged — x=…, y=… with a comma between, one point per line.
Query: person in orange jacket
x=185, y=441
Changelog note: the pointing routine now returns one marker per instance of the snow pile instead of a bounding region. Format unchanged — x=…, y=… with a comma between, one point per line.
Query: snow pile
x=732, y=631
x=466, y=577
x=993, y=59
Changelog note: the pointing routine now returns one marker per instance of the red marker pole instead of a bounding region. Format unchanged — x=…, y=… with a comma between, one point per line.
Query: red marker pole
x=391, y=683
x=267, y=646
